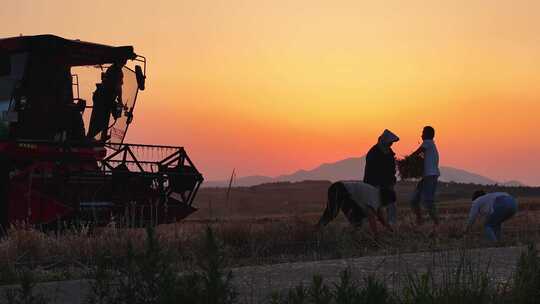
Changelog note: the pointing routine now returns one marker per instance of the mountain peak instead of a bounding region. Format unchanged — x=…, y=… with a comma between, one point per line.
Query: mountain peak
x=352, y=168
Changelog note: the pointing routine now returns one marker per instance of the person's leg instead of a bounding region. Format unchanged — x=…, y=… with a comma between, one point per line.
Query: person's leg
x=353, y=213
x=507, y=207
x=388, y=200
x=428, y=197
x=415, y=202
x=504, y=208
x=492, y=222
x=391, y=211
x=490, y=233
x=497, y=231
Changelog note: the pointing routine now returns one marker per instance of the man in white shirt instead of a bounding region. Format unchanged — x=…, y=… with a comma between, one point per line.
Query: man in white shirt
x=496, y=207
x=357, y=201
x=427, y=187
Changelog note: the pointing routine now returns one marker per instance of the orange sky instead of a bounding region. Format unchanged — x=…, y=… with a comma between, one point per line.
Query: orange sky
x=268, y=87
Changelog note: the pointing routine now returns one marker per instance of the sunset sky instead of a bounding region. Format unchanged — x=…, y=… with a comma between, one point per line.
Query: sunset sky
x=269, y=87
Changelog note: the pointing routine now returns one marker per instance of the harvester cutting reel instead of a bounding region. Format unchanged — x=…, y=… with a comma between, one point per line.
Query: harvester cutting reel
x=135, y=185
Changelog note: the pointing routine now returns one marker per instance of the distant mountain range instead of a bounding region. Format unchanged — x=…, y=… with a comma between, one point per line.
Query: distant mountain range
x=352, y=168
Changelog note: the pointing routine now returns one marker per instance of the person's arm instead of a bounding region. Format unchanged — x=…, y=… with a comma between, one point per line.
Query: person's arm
x=473, y=214
x=419, y=151
x=393, y=170
x=367, y=167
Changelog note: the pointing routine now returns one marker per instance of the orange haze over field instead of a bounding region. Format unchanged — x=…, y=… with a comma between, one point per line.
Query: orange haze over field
x=268, y=87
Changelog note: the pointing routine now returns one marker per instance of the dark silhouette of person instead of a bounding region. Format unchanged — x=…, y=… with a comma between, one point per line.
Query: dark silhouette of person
x=358, y=201
x=380, y=171
x=107, y=100
x=426, y=189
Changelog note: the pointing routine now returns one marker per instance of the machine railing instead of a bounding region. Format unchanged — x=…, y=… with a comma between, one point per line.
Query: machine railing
x=170, y=164
x=168, y=167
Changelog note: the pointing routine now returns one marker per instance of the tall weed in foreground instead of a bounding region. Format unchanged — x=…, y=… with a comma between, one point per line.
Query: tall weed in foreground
x=216, y=284
x=345, y=291
x=375, y=291
x=319, y=293
x=463, y=283
x=8, y=273
x=103, y=285
x=146, y=277
x=25, y=294
x=525, y=286
x=151, y=278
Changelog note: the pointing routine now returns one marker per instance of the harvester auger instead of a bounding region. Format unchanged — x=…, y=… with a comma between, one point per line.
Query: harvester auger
x=63, y=157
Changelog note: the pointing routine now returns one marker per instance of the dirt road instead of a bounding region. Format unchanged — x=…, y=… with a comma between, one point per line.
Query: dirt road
x=255, y=283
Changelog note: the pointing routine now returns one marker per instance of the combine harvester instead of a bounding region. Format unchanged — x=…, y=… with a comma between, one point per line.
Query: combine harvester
x=63, y=157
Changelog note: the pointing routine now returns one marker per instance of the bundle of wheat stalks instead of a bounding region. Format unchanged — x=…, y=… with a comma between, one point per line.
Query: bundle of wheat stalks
x=411, y=166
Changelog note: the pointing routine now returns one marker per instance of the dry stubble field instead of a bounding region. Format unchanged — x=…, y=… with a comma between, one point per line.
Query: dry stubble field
x=263, y=226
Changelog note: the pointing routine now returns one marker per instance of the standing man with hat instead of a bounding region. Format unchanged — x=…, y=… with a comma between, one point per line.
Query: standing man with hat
x=380, y=172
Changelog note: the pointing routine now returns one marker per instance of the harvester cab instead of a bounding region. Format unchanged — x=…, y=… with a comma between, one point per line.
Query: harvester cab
x=62, y=149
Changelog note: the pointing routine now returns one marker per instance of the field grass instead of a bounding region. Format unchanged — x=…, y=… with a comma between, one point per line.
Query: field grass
x=300, y=198
x=265, y=224
x=256, y=241
x=148, y=275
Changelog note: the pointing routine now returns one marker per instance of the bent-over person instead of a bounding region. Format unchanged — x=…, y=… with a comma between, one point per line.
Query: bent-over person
x=496, y=207
x=357, y=201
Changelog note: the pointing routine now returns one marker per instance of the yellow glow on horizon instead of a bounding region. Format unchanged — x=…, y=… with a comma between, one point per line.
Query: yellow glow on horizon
x=272, y=86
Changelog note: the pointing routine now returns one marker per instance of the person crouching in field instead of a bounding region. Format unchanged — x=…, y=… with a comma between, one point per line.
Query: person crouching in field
x=357, y=201
x=497, y=207
x=380, y=172
x=426, y=188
